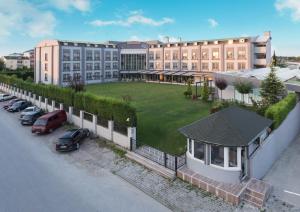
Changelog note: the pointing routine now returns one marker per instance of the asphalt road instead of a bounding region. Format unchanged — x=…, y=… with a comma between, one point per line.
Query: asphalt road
x=33, y=178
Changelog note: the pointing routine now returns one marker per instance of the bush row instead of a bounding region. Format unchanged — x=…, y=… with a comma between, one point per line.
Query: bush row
x=280, y=110
x=104, y=107
x=20, y=74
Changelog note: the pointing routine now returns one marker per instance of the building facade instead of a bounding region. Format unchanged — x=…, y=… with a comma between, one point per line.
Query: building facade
x=16, y=60
x=56, y=62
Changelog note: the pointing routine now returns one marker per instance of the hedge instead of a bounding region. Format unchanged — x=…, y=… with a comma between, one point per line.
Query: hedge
x=20, y=74
x=104, y=107
x=279, y=111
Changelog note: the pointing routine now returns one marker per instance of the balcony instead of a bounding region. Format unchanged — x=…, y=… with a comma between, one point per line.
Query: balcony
x=262, y=62
x=260, y=50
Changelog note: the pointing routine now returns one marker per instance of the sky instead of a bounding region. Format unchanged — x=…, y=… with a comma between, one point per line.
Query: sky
x=23, y=23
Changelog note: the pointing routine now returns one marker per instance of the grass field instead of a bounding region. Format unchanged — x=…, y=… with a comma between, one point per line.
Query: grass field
x=161, y=110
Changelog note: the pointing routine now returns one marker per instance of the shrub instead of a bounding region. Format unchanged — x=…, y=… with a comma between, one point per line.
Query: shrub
x=279, y=111
x=243, y=88
x=205, y=91
x=221, y=84
x=188, y=92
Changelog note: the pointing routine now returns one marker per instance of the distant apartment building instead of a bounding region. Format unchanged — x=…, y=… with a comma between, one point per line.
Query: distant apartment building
x=30, y=54
x=57, y=61
x=17, y=60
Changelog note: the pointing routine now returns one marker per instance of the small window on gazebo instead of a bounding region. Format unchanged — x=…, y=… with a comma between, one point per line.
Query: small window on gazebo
x=190, y=145
x=199, y=150
x=232, y=157
x=217, y=155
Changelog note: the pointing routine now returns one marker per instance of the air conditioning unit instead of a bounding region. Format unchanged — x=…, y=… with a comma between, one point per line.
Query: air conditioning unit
x=242, y=40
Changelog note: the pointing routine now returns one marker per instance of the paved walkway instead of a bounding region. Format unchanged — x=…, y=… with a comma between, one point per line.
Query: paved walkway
x=285, y=174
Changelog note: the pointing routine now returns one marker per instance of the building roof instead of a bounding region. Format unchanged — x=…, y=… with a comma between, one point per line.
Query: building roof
x=232, y=126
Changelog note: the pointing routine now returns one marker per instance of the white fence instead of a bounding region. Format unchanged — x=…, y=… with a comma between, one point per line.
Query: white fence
x=107, y=133
x=275, y=144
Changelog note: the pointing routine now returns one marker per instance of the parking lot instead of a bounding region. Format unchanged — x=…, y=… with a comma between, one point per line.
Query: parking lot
x=34, y=177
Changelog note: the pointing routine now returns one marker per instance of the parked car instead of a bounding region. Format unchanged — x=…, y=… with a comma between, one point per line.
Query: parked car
x=6, y=97
x=31, y=115
x=10, y=103
x=71, y=140
x=19, y=106
x=49, y=122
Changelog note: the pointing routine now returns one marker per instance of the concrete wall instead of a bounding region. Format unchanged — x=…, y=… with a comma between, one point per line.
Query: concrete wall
x=271, y=149
x=218, y=174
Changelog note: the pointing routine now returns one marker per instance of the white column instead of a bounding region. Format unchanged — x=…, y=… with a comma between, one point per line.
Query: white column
x=70, y=118
x=81, y=118
x=193, y=142
x=95, y=124
x=53, y=105
x=40, y=102
x=239, y=157
x=61, y=106
x=111, y=128
x=226, y=157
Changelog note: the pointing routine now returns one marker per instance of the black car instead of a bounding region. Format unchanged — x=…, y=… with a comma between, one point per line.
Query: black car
x=71, y=139
x=30, y=117
x=10, y=103
x=18, y=106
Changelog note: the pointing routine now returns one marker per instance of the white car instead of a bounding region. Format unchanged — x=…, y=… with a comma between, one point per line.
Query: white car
x=5, y=97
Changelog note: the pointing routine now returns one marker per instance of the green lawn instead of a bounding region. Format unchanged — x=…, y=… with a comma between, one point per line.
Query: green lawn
x=161, y=110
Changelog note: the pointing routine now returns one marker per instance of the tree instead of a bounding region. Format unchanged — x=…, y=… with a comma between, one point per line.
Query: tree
x=272, y=89
x=188, y=92
x=221, y=84
x=205, y=91
x=274, y=60
x=2, y=65
x=243, y=88
x=76, y=84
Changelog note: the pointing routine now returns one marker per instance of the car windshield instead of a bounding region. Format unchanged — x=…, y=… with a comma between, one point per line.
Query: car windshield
x=17, y=104
x=40, y=122
x=64, y=140
x=28, y=110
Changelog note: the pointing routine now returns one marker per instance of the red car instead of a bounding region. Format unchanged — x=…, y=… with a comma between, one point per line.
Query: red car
x=49, y=122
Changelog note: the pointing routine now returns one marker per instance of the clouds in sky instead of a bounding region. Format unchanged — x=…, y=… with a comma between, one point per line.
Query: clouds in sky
x=81, y=5
x=134, y=17
x=212, y=22
x=292, y=6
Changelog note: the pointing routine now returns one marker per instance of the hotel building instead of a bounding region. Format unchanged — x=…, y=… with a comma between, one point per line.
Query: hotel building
x=57, y=61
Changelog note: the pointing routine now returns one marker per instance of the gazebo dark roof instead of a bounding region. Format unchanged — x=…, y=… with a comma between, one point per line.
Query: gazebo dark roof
x=232, y=126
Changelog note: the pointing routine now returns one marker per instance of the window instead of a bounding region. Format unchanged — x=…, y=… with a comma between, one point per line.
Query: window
x=66, y=55
x=107, y=66
x=115, y=65
x=232, y=157
x=115, y=56
x=151, y=65
x=66, y=66
x=215, y=66
x=194, y=66
x=97, y=75
x=229, y=66
x=76, y=55
x=205, y=66
x=115, y=74
x=89, y=66
x=205, y=54
x=151, y=55
x=167, y=55
x=167, y=65
x=229, y=54
x=175, y=55
x=217, y=155
x=66, y=77
x=107, y=75
x=190, y=145
x=241, y=53
x=108, y=56
x=157, y=56
x=241, y=66
x=89, y=76
x=46, y=66
x=97, y=55
x=157, y=65
x=184, y=55
x=215, y=54
x=199, y=150
x=76, y=66
x=76, y=76
x=96, y=66
x=46, y=57
x=175, y=65
x=194, y=55
x=184, y=66
x=46, y=77
x=89, y=55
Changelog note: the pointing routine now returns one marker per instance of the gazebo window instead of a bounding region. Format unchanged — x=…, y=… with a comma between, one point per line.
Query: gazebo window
x=217, y=155
x=199, y=150
x=232, y=157
x=190, y=145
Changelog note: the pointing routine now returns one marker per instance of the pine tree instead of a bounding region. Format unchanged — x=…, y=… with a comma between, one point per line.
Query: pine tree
x=274, y=60
x=272, y=89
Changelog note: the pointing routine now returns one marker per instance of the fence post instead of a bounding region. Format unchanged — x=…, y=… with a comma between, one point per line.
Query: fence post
x=131, y=134
x=95, y=124
x=81, y=118
x=61, y=106
x=34, y=98
x=46, y=104
x=111, y=128
x=53, y=105
x=40, y=102
x=165, y=159
x=70, y=118
x=176, y=165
